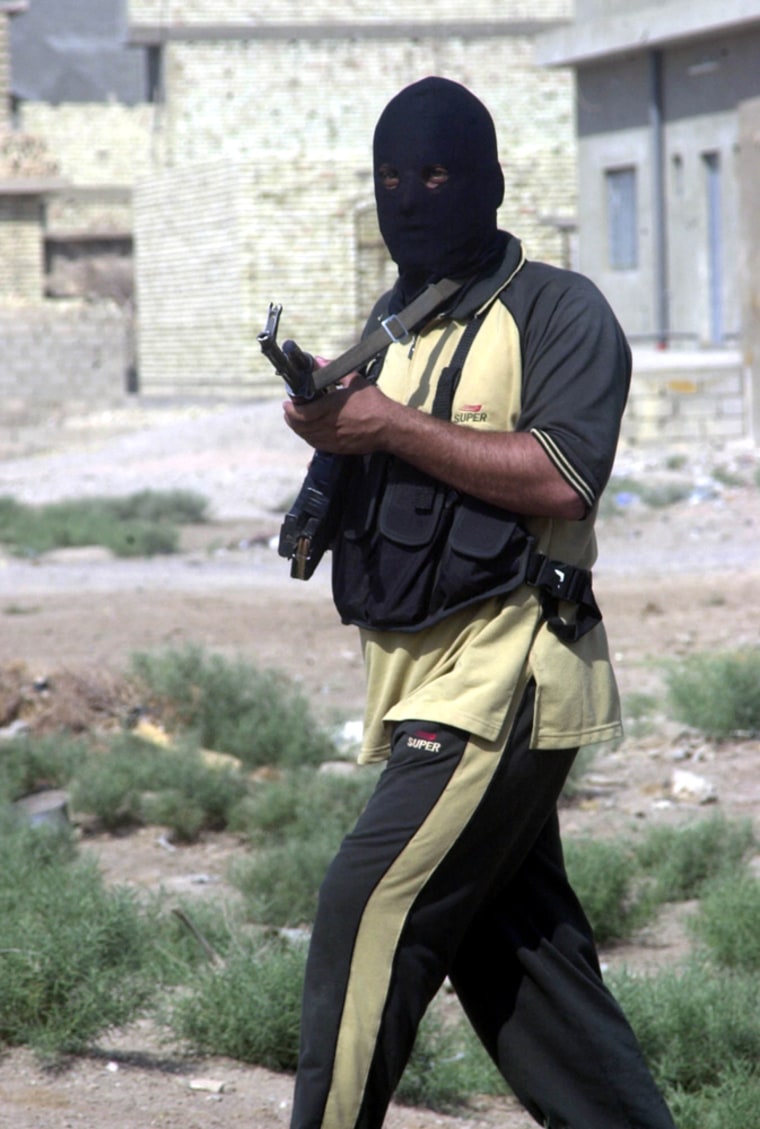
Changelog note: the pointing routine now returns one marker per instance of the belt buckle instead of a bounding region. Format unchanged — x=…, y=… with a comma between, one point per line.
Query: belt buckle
x=391, y=325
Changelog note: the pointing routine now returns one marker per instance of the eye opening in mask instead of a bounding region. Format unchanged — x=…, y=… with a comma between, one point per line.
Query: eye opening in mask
x=433, y=176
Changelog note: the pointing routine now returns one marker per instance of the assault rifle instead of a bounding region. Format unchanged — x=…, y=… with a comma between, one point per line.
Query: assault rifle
x=309, y=526
x=305, y=532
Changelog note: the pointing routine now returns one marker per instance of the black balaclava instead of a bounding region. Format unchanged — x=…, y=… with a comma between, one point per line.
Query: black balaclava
x=450, y=230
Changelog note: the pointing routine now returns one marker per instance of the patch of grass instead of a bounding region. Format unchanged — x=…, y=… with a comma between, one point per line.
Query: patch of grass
x=603, y=875
x=732, y=1104
x=280, y=884
x=30, y=764
x=621, y=885
x=728, y=921
x=638, y=708
x=718, y=694
x=447, y=1067
x=621, y=490
x=233, y=707
x=697, y=1027
x=141, y=524
x=297, y=824
x=72, y=953
x=302, y=802
x=250, y=1009
x=681, y=861
x=133, y=781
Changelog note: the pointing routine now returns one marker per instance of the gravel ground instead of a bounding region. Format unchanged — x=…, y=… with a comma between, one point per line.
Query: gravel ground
x=671, y=581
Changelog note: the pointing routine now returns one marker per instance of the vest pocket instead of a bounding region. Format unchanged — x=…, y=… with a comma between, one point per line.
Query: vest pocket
x=412, y=507
x=487, y=549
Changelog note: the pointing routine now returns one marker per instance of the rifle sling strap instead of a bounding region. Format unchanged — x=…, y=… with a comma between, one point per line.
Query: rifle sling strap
x=397, y=327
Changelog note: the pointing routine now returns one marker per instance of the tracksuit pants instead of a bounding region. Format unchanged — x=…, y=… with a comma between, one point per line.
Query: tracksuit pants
x=455, y=869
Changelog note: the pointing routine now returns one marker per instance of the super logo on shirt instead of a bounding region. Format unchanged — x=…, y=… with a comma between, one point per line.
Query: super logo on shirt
x=470, y=413
x=422, y=739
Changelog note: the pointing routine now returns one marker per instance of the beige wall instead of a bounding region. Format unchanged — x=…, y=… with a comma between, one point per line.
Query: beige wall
x=287, y=125
x=20, y=249
x=312, y=11
x=251, y=182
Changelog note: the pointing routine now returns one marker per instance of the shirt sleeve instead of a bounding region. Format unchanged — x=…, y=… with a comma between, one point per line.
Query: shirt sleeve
x=576, y=373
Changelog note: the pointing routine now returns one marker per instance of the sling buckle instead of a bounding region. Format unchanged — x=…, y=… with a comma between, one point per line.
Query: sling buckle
x=396, y=329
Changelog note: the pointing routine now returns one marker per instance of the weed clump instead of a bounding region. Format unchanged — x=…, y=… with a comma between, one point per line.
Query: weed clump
x=141, y=524
x=250, y=1009
x=232, y=707
x=717, y=693
x=71, y=951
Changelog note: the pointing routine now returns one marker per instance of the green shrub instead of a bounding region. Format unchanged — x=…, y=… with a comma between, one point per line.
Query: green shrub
x=250, y=1009
x=733, y=1104
x=134, y=781
x=29, y=764
x=682, y=860
x=303, y=801
x=717, y=693
x=297, y=824
x=280, y=883
x=233, y=707
x=603, y=875
x=179, y=507
x=655, y=495
x=139, y=524
x=638, y=708
x=71, y=952
x=728, y=921
x=447, y=1066
x=696, y=1027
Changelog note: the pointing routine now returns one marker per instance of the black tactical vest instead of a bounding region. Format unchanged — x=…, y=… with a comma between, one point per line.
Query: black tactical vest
x=410, y=550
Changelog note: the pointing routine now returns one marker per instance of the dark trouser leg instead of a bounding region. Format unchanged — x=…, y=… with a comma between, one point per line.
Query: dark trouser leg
x=528, y=977
x=448, y=817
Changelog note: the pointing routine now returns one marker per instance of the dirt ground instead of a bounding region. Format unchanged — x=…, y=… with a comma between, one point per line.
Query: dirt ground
x=671, y=581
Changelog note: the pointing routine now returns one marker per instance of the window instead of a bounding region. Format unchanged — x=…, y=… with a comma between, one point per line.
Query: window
x=154, y=69
x=622, y=219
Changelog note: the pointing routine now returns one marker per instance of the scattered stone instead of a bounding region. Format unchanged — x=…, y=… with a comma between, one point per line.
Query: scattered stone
x=148, y=730
x=349, y=736
x=294, y=936
x=48, y=808
x=212, y=759
x=690, y=787
x=17, y=728
x=208, y=1085
x=338, y=768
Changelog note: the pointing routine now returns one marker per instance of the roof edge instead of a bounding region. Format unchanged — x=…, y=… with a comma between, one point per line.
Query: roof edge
x=643, y=29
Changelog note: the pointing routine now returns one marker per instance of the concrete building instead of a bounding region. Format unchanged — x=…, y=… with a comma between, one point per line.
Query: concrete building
x=74, y=134
x=226, y=156
x=668, y=121
x=261, y=188
x=222, y=159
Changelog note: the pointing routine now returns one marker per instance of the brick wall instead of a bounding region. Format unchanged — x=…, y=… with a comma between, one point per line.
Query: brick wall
x=292, y=173
x=21, y=272
x=100, y=151
x=61, y=354
x=252, y=181
x=687, y=398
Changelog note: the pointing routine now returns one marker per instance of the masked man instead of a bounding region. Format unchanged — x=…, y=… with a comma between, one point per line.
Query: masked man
x=479, y=446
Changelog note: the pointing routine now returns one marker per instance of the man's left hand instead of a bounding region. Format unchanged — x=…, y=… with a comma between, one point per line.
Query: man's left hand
x=347, y=421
